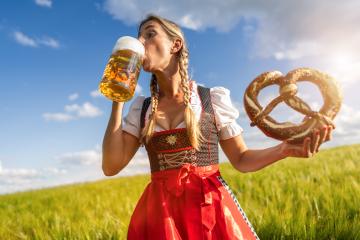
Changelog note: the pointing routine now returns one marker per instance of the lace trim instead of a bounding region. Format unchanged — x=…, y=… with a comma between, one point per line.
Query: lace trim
x=176, y=159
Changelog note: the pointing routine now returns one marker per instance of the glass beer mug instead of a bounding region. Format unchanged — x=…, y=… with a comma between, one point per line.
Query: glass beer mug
x=122, y=70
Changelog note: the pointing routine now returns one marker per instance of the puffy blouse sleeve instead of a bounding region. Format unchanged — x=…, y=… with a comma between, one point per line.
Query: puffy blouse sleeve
x=225, y=113
x=131, y=122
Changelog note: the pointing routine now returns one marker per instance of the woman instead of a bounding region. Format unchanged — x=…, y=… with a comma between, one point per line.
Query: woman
x=180, y=126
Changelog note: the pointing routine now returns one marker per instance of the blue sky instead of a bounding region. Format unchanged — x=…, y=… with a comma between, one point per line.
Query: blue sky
x=53, y=53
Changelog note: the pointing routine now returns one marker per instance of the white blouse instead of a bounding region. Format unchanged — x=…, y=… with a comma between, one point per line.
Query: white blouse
x=225, y=113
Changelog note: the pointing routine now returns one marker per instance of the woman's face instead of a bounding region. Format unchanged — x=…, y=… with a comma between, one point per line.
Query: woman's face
x=158, y=46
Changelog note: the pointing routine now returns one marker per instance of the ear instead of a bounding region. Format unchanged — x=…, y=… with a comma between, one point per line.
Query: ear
x=177, y=45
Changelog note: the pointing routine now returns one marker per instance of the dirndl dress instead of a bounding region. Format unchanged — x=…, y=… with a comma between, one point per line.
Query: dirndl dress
x=187, y=197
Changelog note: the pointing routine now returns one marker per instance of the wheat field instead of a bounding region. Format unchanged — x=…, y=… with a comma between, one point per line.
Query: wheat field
x=296, y=198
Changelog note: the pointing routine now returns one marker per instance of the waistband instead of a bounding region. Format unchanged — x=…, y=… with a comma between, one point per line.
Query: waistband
x=201, y=171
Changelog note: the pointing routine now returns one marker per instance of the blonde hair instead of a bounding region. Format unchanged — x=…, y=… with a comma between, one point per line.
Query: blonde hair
x=193, y=128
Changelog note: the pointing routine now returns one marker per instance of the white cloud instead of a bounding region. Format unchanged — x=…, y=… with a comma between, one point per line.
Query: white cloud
x=87, y=157
x=73, y=96
x=15, y=179
x=86, y=110
x=73, y=112
x=28, y=41
x=96, y=93
x=50, y=42
x=347, y=124
x=24, y=40
x=28, y=173
x=75, y=167
x=196, y=15
x=59, y=117
x=54, y=170
x=93, y=158
x=44, y=3
x=302, y=32
x=189, y=21
x=312, y=35
x=299, y=50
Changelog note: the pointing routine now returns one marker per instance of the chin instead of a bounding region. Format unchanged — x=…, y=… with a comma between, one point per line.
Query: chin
x=149, y=69
x=146, y=67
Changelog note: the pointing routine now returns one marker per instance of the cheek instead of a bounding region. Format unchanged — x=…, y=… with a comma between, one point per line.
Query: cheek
x=157, y=55
x=164, y=51
x=157, y=52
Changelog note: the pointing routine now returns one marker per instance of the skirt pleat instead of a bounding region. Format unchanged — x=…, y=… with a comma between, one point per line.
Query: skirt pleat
x=192, y=203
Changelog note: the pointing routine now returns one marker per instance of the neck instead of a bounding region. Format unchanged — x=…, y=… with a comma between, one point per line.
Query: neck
x=169, y=84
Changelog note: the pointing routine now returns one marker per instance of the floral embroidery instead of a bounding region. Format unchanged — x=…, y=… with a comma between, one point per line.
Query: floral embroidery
x=171, y=139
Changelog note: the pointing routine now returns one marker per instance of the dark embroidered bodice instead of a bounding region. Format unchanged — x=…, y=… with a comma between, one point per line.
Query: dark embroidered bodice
x=171, y=148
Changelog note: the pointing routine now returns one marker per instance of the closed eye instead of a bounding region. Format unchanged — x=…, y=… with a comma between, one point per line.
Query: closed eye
x=150, y=34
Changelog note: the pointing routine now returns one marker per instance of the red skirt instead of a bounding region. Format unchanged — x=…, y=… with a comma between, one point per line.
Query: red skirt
x=189, y=203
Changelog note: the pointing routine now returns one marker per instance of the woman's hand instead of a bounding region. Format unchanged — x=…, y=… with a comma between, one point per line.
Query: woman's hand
x=310, y=146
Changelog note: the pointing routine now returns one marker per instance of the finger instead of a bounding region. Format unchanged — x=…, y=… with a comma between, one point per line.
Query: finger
x=318, y=142
x=315, y=140
x=329, y=133
x=323, y=135
x=307, y=147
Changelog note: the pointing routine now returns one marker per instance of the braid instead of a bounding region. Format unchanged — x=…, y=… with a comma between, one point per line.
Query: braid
x=193, y=128
x=183, y=62
x=154, y=94
x=148, y=130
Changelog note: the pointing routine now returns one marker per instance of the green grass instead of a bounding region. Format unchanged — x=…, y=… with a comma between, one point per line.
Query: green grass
x=296, y=198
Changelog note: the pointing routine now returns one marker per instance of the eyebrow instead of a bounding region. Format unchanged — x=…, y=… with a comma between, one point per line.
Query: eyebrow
x=148, y=26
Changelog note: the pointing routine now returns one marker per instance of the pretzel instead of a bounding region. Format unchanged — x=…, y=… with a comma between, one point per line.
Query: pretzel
x=293, y=133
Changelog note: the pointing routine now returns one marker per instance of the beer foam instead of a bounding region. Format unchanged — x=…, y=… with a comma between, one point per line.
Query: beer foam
x=130, y=43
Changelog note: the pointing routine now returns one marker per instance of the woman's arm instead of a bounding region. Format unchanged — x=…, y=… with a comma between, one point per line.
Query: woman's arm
x=114, y=154
x=251, y=160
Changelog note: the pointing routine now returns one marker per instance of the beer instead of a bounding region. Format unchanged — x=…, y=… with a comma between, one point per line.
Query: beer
x=122, y=70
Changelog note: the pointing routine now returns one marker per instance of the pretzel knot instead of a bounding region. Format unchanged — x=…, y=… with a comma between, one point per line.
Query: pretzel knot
x=294, y=133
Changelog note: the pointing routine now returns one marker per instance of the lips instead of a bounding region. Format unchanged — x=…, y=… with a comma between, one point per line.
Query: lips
x=143, y=59
x=145, y=63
